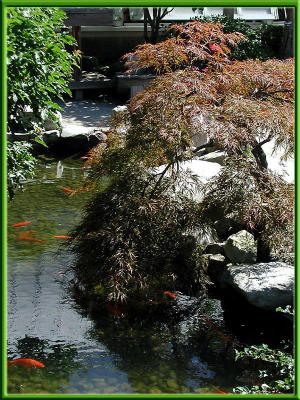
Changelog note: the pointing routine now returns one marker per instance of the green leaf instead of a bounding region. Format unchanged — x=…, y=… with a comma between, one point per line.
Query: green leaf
x=40, y=141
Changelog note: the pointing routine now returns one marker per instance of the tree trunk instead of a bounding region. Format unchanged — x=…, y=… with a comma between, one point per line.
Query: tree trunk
x=260, y=157
x=158, y=15
x=263, y=250
x=146, y=18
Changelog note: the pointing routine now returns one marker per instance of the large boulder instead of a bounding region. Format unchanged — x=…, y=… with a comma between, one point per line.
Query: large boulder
x=228, y=225
x=264, y=285
x=241, y=248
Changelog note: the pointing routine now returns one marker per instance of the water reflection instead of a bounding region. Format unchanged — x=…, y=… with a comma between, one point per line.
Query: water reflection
x=163, y=354
x=88, y=351
x=60, y=362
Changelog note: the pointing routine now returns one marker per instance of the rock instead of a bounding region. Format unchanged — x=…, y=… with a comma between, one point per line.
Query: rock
x=216, y=156
x=241, y=247
x=203, y=238
x=277, y=163
x=216, y=265
x=215, y=248
x=120, y=113
x=264, y=285
x=95, y=136
x=50, y=125
x=18, y=137
x=227, y=226
x=51, y=137
x=202, y=169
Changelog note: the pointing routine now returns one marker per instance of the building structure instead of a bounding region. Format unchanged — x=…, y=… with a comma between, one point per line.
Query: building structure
x=108, y=33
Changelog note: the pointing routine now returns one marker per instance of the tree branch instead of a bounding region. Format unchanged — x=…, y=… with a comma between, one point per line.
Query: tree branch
x=166, y=12
x=160, y=178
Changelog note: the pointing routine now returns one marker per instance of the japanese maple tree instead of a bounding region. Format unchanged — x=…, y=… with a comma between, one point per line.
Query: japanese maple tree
x=140, y=220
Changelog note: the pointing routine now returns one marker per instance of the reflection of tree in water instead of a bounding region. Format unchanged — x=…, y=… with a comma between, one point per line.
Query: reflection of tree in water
x=59, y=360
x=161, y=355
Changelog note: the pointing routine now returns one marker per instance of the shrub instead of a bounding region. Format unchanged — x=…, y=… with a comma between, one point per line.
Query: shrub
x=133, y=238
x=279, y=373
x=20, y=165
x=38, y=71
x=38, y=65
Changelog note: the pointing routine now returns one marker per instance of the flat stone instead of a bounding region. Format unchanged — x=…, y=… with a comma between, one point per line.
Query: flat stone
x=264, y=285
x=217, y=156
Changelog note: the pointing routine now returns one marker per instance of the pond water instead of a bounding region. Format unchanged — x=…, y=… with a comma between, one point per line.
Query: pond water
x=83, y=352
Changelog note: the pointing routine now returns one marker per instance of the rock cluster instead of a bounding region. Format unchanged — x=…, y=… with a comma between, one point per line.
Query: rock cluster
x=232, y=265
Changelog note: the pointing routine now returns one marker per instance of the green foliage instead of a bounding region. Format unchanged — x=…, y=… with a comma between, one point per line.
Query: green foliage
x=20, y=165
x=38, y=65
x=38, y=71
x=287, y=310
x=279, y=375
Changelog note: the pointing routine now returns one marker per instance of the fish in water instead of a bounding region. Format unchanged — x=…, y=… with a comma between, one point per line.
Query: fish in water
x=220, y=391
x=26, y=363
x=225, y=338
x=27, y=236
x=63, y=237
x=115, y=310
x=26, y=233
x=69, y=191
x=170, y=294
x=22, y=224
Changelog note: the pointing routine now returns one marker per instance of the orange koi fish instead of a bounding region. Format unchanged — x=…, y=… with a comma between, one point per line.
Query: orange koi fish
x=30, y=239
x=220, y=391
x=85, y=158
x=225, y=338
x=22, y=224
x=63, y=237
x=115, y=310
x=26, y=363
x=67, y=190
x=170, y=295
x=27, y=236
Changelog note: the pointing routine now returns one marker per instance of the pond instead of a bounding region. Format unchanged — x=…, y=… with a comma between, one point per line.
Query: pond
x=85, y=352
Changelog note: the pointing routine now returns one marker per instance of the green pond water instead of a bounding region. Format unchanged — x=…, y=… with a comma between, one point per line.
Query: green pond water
x=82, y=352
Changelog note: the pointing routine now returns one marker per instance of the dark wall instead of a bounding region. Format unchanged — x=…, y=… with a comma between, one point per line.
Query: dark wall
x=109, y=46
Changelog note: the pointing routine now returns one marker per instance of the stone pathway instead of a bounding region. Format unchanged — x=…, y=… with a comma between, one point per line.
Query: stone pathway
x=81, y=116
